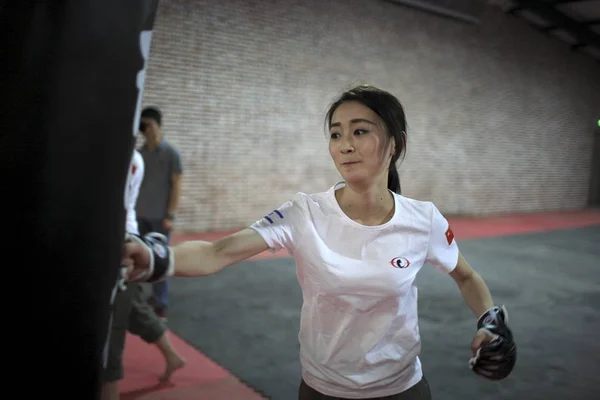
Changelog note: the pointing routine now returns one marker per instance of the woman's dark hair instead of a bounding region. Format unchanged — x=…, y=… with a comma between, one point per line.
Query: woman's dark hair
x=391, y=112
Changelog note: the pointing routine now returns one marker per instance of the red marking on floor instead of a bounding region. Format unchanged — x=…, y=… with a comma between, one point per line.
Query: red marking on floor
x=476, y=228
x=202, y=379
x=465, y=228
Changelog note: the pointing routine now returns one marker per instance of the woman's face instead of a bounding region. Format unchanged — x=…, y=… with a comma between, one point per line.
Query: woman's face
x=359, y=144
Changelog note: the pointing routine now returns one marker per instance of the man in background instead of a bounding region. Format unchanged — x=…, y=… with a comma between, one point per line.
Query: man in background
x=160, y=192
x=131, y=310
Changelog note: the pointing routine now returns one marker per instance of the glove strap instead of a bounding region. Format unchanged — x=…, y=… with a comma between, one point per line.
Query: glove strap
x=163, y=261
x=493, y=318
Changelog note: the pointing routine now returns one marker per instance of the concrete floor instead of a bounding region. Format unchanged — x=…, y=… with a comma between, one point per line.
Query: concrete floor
x=246, y=318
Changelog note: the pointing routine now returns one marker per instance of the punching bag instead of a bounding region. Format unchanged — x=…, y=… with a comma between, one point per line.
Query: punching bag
x=72, y=74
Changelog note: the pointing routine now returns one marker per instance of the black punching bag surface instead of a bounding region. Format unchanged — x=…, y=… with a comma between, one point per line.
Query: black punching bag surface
x=71, y=80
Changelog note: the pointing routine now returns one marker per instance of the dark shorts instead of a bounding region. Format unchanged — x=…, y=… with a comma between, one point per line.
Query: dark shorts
x=420, y=391
x=131, y=313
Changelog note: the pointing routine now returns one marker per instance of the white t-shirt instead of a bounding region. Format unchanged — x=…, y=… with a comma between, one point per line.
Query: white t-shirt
x=132, y=190
x=359, y=334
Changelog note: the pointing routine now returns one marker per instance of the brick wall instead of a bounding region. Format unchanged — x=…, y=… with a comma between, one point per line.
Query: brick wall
x=500, y=116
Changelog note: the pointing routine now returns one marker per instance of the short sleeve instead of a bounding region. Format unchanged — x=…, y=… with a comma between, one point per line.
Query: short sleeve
x=281, y=228
x=176, y=164
x=134, y=182
x=442, y=250
x=138, y=171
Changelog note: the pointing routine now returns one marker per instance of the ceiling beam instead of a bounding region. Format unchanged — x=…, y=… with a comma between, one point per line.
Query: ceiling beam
x=589, y=22
x=560, y=20
x=557, y=2
x=438, y=10
x=578, y=46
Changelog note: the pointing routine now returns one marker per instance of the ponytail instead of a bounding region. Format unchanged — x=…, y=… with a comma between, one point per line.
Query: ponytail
x=394, y=179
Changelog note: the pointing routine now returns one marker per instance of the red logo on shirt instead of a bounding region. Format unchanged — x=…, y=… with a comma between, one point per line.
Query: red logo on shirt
x=400, y=262
x=133, y=169
x=449, y=236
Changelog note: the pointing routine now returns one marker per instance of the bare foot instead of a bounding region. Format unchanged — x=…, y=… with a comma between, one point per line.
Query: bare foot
x=174, y=363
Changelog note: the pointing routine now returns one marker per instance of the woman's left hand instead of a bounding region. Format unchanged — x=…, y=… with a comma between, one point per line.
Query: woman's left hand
x=482, y=337
x=494, y=349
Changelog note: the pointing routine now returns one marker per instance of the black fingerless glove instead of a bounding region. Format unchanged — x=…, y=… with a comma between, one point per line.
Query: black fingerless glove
x=161, y=264
x=495, y=360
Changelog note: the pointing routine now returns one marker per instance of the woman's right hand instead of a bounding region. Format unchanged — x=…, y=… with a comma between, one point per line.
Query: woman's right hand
x=136, y=259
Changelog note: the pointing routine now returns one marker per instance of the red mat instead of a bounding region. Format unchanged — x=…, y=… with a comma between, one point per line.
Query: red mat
x=469, y=228
x=476, y=228
x=202, y=379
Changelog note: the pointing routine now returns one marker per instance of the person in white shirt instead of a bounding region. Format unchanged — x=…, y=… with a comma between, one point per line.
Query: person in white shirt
x=358, y=248
x=131, y=310
x=135, y=178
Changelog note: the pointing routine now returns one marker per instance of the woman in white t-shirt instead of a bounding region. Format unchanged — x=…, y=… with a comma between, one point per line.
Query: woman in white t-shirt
x=358, y=248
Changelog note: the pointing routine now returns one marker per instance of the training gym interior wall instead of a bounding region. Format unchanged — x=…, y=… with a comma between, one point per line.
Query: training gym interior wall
x=500, y=116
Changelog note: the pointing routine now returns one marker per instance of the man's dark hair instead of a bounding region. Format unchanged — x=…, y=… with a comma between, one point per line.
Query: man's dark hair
x=153, y=113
